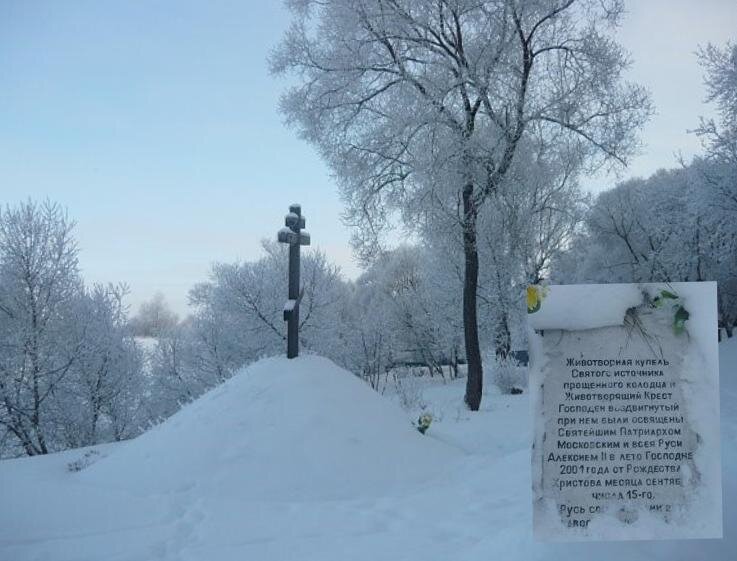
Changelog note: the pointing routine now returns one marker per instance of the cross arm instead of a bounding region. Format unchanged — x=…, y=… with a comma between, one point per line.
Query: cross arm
x=286, y=235
x=291, y=305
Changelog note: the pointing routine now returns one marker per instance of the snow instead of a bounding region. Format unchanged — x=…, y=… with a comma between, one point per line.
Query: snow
x=584, y=306
x=302, y=429
x=588, y=306
x=299, y=460
x=289, y=306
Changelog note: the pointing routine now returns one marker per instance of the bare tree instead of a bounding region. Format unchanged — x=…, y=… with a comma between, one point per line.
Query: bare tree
x=415, y=102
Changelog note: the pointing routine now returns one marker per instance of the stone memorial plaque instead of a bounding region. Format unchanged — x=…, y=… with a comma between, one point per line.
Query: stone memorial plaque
x=624, y=381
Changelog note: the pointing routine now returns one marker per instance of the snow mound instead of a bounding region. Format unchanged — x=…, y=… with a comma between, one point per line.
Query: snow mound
x=279, y=429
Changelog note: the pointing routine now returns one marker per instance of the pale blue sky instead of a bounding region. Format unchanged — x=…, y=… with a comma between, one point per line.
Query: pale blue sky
x=155, y=124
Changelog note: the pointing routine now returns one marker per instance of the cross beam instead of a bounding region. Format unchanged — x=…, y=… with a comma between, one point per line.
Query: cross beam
x=293, y=235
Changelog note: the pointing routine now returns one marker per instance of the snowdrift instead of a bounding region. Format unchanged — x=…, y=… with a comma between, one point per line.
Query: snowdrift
x=279, y=429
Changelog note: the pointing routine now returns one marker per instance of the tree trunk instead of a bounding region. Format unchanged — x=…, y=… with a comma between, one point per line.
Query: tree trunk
x=454, y=363
x=36, y=415
x=474, y=379
x=503, y=337
x=728, y=330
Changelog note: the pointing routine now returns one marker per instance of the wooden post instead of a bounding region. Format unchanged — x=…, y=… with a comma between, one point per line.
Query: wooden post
x=293, y=235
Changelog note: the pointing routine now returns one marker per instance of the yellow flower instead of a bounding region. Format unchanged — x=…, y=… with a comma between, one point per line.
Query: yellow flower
x=423, y=423
x=534, y=299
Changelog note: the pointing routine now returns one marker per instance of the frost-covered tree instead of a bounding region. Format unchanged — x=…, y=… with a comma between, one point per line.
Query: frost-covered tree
x=532, y=219
x=39, y=288
x=718, y=166
x=717, y=170
x=365, y=333
x=665, y=228
x=635, y=232
x=238, y=318
x=411, y=102
x=535, y=214
x=154, y=317
x=173, y=380
x=70, y=374
x=250, y=296
x=100, y=399
x=399, y=279
x=443, y=281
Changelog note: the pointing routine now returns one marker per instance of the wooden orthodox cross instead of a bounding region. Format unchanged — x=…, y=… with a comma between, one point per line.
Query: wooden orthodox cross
x=293, y=235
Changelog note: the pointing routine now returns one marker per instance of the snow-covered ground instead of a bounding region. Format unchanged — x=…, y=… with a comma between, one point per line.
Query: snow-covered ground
x=300, y=460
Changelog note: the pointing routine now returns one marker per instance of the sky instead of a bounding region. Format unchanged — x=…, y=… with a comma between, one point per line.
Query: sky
x=156, y=125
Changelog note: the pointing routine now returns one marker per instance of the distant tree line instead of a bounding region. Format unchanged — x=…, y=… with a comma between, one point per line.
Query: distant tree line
x=669, y=227
x=679, y=224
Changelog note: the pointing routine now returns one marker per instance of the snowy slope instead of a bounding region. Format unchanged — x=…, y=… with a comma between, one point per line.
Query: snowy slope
x=299, y=460
x=302, y=429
